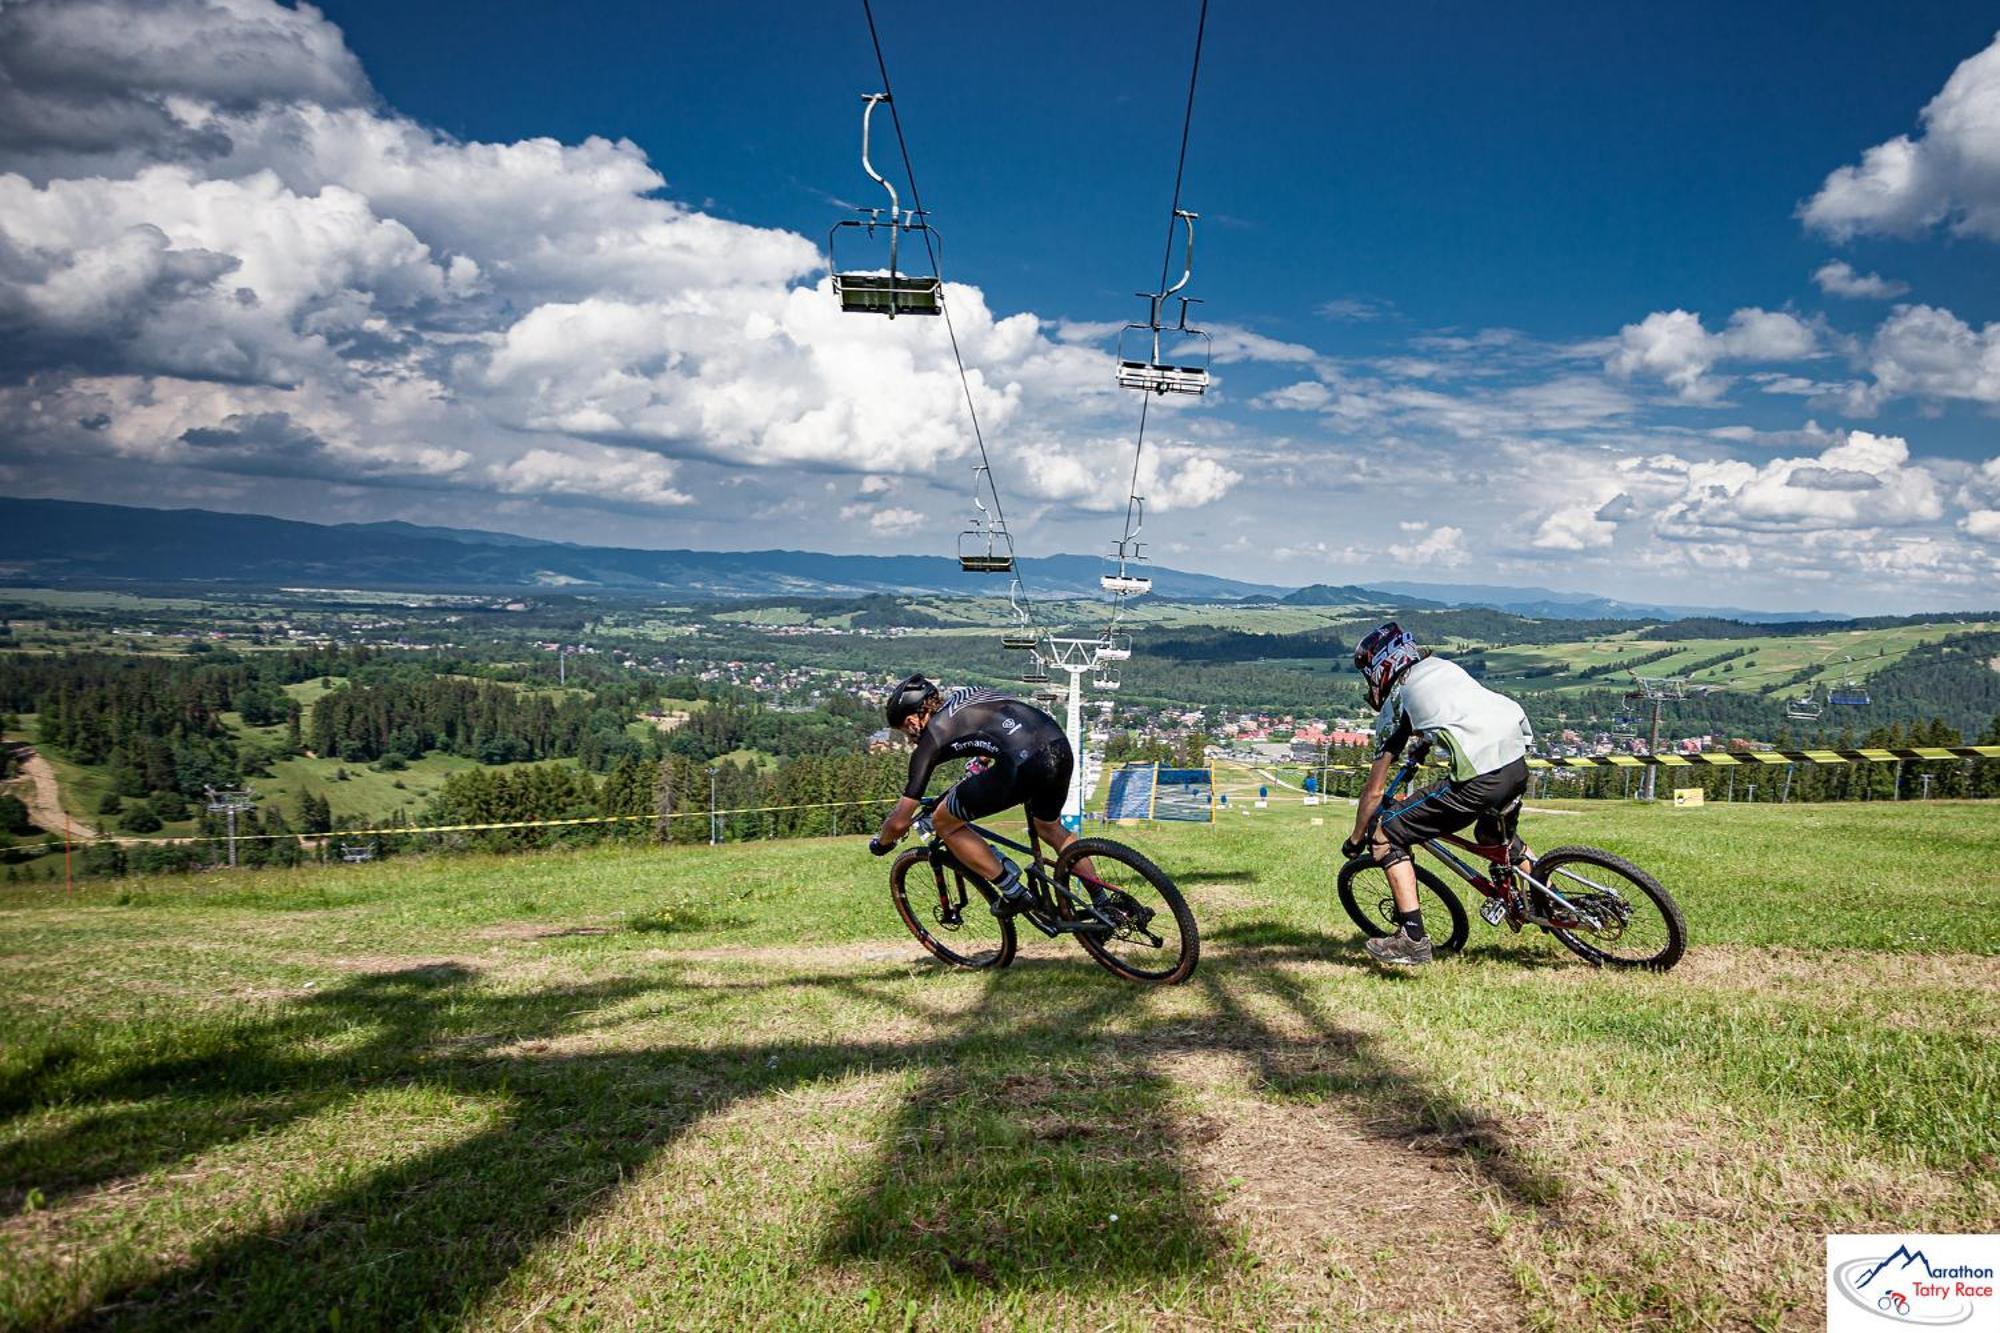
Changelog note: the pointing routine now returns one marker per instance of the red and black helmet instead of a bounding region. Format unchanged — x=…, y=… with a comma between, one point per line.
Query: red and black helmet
x=1383, y=656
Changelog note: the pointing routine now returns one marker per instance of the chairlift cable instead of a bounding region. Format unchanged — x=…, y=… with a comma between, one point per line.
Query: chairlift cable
x=1166, y=268
x=930, y=251
x=1173, y=216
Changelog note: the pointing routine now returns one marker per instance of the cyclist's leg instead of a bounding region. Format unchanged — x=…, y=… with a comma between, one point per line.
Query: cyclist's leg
x=973, y=852
x=1445, y=808
x=1499, y=823
x=978, y=796
x=1046, y=783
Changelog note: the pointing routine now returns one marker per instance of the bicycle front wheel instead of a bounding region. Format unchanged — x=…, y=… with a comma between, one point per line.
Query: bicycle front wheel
x=1364, y=892
x=1622, y=917
x=1152, y=935
x=949, y=912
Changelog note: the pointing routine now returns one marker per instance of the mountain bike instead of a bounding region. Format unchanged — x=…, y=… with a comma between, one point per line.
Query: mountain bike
x=1599, y=906
x=1127, y=914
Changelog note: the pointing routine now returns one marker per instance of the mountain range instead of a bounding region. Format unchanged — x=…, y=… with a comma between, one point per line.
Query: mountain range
x=57, y=542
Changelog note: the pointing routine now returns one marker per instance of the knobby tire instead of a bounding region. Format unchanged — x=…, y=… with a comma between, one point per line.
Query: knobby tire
x=1366, y=898
x=921, y=908
x=1126, y=869
x=1648, y=889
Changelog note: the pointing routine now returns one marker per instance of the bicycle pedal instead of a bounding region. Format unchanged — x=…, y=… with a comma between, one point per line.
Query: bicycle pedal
x=1493, y=911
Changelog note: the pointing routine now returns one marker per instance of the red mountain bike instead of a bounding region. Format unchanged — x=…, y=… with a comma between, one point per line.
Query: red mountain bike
x=1601, y=907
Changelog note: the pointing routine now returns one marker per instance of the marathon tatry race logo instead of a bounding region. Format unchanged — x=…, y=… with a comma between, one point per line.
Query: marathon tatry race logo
x=1921, y=1281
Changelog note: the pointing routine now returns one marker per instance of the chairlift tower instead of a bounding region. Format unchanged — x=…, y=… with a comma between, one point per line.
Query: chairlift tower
x=1658, y=691
x=1078, y=658
x=229, y=803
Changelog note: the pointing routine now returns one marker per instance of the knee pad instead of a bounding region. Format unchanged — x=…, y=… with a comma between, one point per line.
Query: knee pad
x=1395, y=856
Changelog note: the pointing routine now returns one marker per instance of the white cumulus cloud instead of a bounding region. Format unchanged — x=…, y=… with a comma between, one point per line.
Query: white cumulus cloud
x=1674, y=347
x=1949, y=175
x=1837, y=278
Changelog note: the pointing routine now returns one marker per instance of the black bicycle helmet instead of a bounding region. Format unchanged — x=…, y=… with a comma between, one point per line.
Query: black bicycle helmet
x=907, y=698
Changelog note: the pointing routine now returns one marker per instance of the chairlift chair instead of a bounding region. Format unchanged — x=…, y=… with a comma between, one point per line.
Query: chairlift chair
x=1115, y=648
x=1022, y=635
x=1037, y=674
x=1104, y=680
x=1807, y=707
x=986, y=547
x=878, y=292
x=1141, y=364
x=1850, y=693
x=1127, y=552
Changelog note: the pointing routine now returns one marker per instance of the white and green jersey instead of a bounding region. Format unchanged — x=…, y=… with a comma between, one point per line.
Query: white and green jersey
x=1437, y=700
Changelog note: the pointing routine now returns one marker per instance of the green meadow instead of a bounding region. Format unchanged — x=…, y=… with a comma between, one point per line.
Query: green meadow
x=719, y=1087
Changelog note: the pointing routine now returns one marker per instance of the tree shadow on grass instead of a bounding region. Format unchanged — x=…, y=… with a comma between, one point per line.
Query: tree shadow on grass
x=1042, y=1110
x=226, y=1079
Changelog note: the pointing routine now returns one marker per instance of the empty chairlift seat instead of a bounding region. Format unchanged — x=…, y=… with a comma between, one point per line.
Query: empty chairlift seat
x=1160, y=377
x=888, y=294
x=884, y=291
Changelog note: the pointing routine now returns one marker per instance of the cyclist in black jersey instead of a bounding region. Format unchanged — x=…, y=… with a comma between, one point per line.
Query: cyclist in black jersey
x=1019, y=757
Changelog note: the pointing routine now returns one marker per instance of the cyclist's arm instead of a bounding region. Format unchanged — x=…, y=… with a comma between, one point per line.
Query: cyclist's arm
x=923, y=760
x=899, y=820
x=1371, y=793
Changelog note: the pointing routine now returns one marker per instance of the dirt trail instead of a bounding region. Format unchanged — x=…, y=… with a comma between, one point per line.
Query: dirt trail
x=44, y=796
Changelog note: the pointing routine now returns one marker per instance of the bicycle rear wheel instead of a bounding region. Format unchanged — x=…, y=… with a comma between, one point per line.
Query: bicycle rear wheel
x=1636, y=923
x=1364, y=892
x=1153, y=935
x=949, y=912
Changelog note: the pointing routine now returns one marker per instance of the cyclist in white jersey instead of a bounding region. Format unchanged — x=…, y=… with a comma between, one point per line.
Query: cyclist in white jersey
x=1430, y=701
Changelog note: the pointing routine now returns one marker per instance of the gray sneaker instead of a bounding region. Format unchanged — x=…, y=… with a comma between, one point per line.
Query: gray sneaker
x=1400, y=948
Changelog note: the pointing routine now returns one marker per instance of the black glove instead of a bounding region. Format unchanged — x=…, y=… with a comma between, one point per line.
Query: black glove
x=877, y=847
x=1353, y=846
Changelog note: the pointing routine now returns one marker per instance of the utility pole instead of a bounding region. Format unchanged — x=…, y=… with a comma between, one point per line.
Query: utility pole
x=714, y=827
x=229, y=804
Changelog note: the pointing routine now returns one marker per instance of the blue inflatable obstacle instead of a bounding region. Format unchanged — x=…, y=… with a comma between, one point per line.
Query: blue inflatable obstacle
x=1148, y=791
x=1132, y=792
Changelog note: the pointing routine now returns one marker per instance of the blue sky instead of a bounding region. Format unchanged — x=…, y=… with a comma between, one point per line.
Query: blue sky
x=1550, y=168
x=1528, y=296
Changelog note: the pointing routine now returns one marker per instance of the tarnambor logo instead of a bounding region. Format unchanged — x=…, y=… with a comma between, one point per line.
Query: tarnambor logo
x=1919, y=1281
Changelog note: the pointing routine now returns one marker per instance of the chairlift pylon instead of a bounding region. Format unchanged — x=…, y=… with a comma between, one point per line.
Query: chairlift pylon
x=985, y=547
x=878, y=292
x=1141, y=363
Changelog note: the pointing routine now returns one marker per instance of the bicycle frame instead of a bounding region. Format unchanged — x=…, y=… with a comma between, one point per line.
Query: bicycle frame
x=1057, y=910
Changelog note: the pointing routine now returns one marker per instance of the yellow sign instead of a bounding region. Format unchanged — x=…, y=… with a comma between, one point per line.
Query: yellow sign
x=1687, y=796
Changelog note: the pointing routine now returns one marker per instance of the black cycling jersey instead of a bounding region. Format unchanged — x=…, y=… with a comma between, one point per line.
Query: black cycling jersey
x=985, y=722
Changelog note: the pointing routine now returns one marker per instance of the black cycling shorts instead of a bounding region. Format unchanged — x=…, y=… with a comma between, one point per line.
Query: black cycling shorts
x=1039, y=779
x=1491, y=803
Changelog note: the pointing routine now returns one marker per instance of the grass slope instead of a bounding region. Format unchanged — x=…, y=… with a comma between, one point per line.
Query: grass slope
x=721, y=1088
